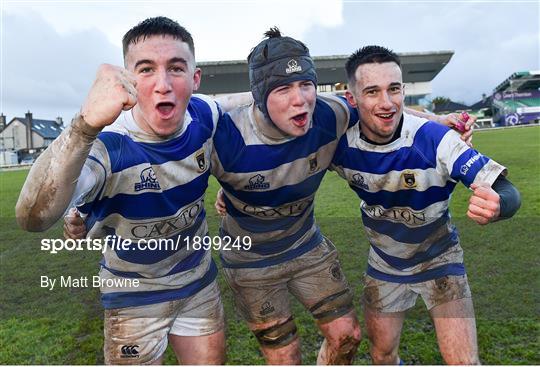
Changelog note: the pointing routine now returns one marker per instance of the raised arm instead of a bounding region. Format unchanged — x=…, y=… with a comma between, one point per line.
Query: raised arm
x=51, y=182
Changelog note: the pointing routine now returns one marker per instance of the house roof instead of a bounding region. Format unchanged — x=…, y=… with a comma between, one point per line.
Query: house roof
x=483, y=103
x=47, y=129
x=450, y=106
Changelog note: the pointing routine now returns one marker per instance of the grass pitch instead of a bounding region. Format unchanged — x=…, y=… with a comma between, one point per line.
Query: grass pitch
x=64, y=326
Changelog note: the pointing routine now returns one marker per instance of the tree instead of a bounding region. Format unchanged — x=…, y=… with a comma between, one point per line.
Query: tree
x=440, y=100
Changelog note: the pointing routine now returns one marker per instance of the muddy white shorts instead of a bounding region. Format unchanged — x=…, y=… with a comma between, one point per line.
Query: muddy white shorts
x=384, y=296
x=138, y=335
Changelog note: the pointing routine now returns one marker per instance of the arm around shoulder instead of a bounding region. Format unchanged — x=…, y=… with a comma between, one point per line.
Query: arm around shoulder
x=231, y=101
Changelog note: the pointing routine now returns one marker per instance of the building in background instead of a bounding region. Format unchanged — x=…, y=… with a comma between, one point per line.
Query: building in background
x=450, y=106
x=27, y=137
x=483, y=111
x=516, y=100
x=419, y=69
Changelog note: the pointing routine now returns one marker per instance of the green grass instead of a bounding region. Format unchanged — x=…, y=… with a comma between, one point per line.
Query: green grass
x=64, y=326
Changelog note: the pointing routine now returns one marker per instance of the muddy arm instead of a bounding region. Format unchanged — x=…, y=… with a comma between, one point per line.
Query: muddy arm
x=231, y=101
x=50, y=184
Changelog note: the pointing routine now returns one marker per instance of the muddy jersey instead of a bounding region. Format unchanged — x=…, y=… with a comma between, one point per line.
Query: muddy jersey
x=270, y=181
x=138, y=188
x=405, y=187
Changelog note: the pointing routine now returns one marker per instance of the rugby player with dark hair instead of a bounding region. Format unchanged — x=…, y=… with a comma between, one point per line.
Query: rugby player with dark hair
x=404, y=170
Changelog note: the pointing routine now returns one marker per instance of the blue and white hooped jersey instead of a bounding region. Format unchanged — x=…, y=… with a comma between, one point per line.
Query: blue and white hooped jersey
x=270, y=181
x=405, y=188
x=136, y=187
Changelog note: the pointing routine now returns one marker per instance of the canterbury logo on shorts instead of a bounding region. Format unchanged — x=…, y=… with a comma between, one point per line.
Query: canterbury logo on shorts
x=130, y=351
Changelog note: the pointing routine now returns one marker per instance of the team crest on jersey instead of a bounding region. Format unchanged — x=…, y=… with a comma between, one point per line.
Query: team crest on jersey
x=358, y=180
x=409, y=180
x=257, y=182
x=313, y=165
x=148, y=180
x=201, y=160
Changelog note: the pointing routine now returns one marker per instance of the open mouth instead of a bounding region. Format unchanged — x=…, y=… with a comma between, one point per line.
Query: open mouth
x=301, y=119
x=165, y=108
x=386, y=116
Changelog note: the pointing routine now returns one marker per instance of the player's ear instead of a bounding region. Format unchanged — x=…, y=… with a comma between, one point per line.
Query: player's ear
x=350, y=98
x=197, y=79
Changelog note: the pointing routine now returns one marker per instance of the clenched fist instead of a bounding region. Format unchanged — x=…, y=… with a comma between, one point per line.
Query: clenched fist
x=220, y=206
x=112, y=91
x=484, y=204
x=74, y=227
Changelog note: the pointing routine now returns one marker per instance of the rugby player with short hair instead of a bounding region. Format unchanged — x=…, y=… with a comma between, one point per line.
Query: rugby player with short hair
x=404, y=170
x=135, y=162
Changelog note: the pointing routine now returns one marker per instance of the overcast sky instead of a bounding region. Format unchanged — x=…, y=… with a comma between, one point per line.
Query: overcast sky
x=51, y=49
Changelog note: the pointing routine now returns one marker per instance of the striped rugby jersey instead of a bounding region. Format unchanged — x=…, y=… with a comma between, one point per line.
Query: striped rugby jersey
x=270, y=181
x=140, y=188
x=405, y=188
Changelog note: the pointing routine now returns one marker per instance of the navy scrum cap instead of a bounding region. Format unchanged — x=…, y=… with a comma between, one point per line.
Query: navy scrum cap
x=276, y=61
